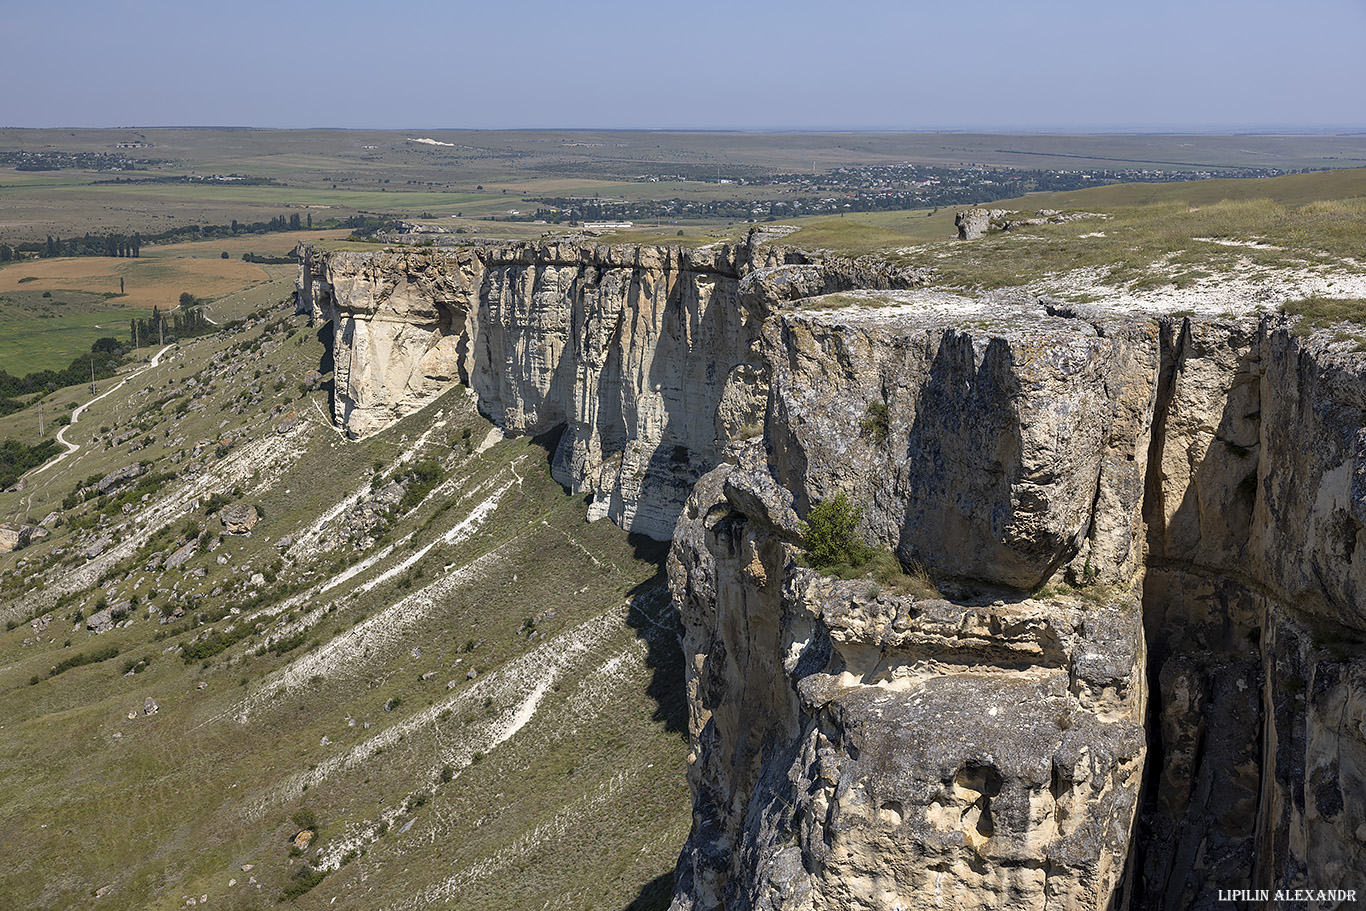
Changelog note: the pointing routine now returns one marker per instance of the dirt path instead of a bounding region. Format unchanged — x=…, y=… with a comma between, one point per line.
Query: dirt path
x=75, y=415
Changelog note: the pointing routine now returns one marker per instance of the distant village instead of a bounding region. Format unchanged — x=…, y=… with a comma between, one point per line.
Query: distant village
x=855, y=189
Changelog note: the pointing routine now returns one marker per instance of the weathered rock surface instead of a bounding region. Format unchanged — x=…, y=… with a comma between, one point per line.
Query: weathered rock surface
x=16, y=537
x=972, y=223
x=859, y=748
x=998, y=453
x=977, y=222
x=1202, y=482
x=837, y=729
x=118, y=477
x=238, y=518
x=647, y=355
x=182, y=555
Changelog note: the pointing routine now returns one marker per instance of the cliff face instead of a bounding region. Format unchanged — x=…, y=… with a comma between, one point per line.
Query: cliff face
x=855, y=747
x=1200, y=480
x=1254, y=620
x=647, y=355
x=1180, y=708
x=998, y=453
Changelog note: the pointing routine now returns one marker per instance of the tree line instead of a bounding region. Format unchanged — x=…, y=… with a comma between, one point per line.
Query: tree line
x=117, y=244
x=186, y=322
x=104, y=356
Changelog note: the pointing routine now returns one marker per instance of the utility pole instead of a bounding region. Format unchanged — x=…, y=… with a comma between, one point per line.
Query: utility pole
x=92, y=374
x=161, y=333
x=41, y=431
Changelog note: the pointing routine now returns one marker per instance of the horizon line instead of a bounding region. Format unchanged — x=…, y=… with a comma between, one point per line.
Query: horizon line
x=1250, y=130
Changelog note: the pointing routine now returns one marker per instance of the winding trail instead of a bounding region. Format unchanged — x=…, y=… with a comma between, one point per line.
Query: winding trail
x=75, y=415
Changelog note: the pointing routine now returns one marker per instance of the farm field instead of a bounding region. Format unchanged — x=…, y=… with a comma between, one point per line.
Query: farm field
x=178, y=177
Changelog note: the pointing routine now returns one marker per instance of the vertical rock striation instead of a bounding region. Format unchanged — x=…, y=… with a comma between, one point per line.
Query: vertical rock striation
x=855, y=747
x=648, y=356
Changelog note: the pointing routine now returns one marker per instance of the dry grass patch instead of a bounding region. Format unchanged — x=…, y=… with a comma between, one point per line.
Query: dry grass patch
x=147, y=281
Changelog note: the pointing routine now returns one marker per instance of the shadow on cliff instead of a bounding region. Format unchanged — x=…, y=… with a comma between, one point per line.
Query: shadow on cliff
x=327, y=367
x=1201, y=797
x=962, y=454
x=656, y=623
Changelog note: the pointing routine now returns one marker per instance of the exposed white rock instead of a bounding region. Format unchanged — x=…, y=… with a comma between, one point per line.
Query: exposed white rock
x=648, y=356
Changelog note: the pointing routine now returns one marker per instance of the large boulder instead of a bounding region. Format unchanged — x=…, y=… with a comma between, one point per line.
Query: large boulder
x=182, y=556
x=972, y=223
x=118, y=477
x=14, y=537
x=238, y=518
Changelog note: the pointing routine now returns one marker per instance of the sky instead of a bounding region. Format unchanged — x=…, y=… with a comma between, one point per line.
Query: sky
x=1070, y=65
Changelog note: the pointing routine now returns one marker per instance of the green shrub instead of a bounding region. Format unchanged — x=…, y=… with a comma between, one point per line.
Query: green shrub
x=304, y=818
x=305, y=878
x=102, y=654
x=422, y=479
x=876, y=425
x=830, y=534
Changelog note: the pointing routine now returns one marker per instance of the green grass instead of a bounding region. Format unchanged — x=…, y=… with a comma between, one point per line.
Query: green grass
x=50, y=338
x=1153, y=237
x=1322, y=312
x=864, y=233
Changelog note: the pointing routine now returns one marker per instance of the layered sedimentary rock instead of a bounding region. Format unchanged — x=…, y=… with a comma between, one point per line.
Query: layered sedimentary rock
x=861, y=748
x=647, y=355
x=998, y=452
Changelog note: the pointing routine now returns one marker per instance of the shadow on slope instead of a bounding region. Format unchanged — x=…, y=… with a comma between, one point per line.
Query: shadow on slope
x=656, y=623
x=654, y=895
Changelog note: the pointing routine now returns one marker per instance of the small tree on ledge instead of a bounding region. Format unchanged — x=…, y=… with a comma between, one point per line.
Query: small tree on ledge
x=830, y=534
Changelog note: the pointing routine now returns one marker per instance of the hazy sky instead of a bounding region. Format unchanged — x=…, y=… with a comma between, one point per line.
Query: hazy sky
x=690, y=64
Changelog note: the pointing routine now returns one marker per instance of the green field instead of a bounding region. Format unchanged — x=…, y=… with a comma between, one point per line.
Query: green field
x=38, y=333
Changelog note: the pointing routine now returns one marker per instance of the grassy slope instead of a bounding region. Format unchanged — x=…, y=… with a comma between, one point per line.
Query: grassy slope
x=582, y=806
